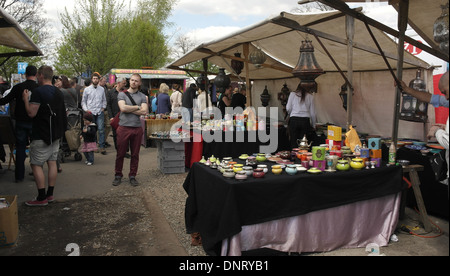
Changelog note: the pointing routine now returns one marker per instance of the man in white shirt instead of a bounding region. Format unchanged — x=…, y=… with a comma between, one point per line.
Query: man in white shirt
x=94, y=101
x=439, y=131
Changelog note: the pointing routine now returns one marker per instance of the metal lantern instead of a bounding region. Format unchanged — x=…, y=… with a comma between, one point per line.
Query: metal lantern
x=344, y=95
x=258, y=58
x=222, y=81
x=283, y=96
x=307, y=69
x=265, y=97
x=412, y=109
x=202, y=82
x=236, y=64
x=440, y=29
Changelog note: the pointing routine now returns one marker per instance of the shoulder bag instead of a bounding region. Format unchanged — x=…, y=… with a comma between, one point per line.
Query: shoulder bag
x=116, y=120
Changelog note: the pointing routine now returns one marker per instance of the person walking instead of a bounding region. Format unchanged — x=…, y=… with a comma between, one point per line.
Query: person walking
x=24, y=123
x=163, y=100
x=302, y=114
x=45, y=105
x=94, y=102
x=71, y=98
x=133, y=105
x=89, y=136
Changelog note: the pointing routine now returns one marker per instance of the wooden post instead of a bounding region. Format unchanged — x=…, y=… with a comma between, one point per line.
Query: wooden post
x=350, y=27
x=402, y=25
x=247, y=74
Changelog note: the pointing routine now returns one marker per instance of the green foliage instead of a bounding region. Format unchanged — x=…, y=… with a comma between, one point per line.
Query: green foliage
x=101, y=35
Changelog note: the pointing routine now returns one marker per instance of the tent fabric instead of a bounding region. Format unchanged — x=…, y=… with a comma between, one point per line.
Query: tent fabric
x=13, y=36
x=282, y=45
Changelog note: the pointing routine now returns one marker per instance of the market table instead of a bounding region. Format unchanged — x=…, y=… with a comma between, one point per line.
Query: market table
x=220, y=208
x=232, y=144
x=156, y=125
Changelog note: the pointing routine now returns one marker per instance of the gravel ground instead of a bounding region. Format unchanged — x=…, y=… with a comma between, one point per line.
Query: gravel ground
x=169, y=193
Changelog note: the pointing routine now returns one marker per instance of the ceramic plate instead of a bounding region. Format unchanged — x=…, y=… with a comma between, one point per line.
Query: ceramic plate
x=415, y=147
x=274, y=159
x=285, y=162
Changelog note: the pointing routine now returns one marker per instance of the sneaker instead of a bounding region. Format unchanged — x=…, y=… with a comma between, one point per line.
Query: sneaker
x=134, y=182
x=36, y=203
x=117, y=181
x=103, y=152
x=50, y=199
x=89, y=163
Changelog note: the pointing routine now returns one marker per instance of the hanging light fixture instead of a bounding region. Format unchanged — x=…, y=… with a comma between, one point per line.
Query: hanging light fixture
x=440, y=29
x=412, y=109
x=258, y=58
x=265, y=97
x=307, y=69
x=236, y=64
x=222, y=81
x=283, y=96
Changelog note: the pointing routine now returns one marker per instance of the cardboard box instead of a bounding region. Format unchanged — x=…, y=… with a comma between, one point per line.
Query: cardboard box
x=9, y=222
x=334, y=133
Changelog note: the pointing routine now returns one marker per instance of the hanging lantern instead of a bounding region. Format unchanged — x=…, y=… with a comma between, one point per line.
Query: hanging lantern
x=222, y=81
x=440, y=29
x=265, y=97
x=258, y=58
x=307, y=69
x=236, y=64
x=283, y=96
x=202, y=82
x=412, y=109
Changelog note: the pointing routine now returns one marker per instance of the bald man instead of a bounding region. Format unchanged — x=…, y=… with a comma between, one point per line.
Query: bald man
x=439, y=131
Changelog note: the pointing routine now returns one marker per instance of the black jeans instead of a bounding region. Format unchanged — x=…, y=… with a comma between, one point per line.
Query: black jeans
x=23, y=135
x=298, y=128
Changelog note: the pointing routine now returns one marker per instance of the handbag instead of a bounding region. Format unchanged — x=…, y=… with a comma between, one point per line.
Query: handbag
x=116, y=120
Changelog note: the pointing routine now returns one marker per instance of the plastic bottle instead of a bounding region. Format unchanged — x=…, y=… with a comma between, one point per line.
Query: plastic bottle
x=392, y=154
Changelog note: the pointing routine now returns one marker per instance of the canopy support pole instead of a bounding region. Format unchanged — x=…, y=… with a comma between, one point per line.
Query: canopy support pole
x=402, y=25
x=247, y=74
x=350, y=28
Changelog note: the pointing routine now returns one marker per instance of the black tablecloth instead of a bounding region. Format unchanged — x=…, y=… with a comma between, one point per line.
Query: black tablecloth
x=434, y=193
x=241, y=144
x=217, y=207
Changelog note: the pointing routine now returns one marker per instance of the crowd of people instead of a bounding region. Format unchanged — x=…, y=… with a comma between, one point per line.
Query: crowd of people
x=39, y=114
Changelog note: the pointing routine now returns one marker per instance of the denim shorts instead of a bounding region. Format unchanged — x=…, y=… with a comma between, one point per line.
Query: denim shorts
x=40, y=152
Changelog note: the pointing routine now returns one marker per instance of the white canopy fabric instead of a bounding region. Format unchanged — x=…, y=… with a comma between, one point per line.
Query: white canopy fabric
x=13, y=36
x=422, y=15
x=282, y=42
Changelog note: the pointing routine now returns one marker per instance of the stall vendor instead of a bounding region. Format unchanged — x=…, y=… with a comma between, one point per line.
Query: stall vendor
x=302, y=114
x=440, y=132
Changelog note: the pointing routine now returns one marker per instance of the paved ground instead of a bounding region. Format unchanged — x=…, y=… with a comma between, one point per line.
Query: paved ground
x=101, y=220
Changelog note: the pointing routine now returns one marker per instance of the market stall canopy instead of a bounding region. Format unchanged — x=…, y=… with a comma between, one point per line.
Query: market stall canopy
x=13, y=36
x=151, y=74
x=422, y=15
x=280, y=38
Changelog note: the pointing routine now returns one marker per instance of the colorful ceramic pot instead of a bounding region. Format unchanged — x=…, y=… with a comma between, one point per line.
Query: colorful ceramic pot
x=263, y=167
x=276, y=169
x=248, y=170
x=357, y=163
x=343, y=165
x=261, y=157
x=291, y=169
x=241, y=175
x=229, y=173
x=258, y=173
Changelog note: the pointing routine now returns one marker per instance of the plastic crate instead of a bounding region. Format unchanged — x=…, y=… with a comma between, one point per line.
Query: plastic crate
x=171, y=145
x=174, y=170
x=171, y=163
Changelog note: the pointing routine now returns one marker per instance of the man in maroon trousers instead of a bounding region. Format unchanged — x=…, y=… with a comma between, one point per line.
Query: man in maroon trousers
x=133, y=104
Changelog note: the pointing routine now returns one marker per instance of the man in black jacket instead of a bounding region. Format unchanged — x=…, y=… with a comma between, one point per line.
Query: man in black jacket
x=187, y=103
x=112, y=103
x=46, y=107
x=23, y=121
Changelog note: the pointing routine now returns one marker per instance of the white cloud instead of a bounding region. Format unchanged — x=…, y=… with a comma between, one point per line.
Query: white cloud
x=236, y=8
